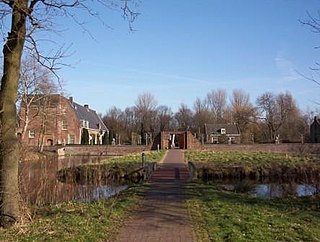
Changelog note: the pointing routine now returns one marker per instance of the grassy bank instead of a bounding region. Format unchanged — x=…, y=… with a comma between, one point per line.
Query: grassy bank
x=75, y=221
x=263, y=159
x=150, y=156
x=121, y=169
x=84, y=221
x=223, y=216
x=228, y=164
x=220, y=215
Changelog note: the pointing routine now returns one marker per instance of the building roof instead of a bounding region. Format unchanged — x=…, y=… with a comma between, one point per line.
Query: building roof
x=216, y=129
x=87, y=114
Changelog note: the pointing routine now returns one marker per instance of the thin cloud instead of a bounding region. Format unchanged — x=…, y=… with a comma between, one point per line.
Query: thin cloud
x=286, y=68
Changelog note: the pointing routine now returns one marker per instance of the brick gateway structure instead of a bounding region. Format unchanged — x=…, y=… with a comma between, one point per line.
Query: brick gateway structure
x=175, y=140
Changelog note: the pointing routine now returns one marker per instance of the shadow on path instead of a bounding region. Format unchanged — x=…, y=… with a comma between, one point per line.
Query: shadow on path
x=163, y=215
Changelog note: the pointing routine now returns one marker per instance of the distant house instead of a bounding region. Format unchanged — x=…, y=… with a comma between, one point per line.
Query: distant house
x=315, y=131
x=54, y=119
x=222, y=134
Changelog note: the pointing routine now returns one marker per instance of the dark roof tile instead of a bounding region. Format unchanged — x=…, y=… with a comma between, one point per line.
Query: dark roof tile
x=216, y=128
x=87, y=114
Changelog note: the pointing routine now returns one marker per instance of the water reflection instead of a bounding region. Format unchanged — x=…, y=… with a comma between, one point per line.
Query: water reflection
x=284, y=190
x=104, y=192
x=39, y=184
x=270, y=190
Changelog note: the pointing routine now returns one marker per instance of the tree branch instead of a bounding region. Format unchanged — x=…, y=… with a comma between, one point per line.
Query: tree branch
x=129, y=14
x=55, y=4
x=312, y=22
x=310, y=78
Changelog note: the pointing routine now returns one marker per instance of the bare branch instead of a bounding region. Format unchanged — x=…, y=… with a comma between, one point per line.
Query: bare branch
x=129, y=14
x=6, y=2
x=312, y=22
x=60, y=5
x=310, y=78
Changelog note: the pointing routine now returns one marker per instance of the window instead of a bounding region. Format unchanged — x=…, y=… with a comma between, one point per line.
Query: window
x=84, y=124
x=63, y=111
x=71, y=139
x=64, y=125
x=223, y=131
x=32, y=134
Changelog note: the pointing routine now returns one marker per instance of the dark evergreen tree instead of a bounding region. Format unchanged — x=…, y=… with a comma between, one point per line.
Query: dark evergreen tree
x=85, y=137
x=105, y=138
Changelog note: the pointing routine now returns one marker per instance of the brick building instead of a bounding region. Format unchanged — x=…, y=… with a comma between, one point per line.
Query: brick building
x=175, y=139
x=54, y=119
x=222, y=134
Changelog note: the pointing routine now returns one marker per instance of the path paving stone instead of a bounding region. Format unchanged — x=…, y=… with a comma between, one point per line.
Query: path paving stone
x=163, y=216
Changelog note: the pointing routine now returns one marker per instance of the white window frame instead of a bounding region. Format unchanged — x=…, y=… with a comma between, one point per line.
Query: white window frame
x=73, y=139
x=64, y=125
x=32, y=134
x=83, y=123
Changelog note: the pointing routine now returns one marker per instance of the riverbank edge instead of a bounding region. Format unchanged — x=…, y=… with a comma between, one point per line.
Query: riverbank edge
x=78, y=221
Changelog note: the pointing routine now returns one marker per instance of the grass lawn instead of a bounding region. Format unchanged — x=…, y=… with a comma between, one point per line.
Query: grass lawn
x=76, y=221
x=216, y=215
x=225, y=216
x=134, y=159
x=217, y=164
x=84, y=221
x=257, y=159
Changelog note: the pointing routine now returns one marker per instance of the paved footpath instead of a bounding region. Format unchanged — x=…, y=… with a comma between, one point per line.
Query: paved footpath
x=163, y=216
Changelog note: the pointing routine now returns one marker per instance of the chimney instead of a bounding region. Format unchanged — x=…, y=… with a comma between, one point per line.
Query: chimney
x=86, y=106
x=71, y=100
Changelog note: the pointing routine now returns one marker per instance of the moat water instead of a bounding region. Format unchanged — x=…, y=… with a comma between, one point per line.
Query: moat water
x=271, y=189
x=39, y=183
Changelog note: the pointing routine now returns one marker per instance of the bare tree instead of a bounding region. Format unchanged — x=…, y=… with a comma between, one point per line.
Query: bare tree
x=114, y=120
x=146, y=102
x=243, y=112
x=314, y=24
x=281, y=115
x=292, y=128
x=242, y=108
x=269, y=112
x=184, y=118
x=217, y=102
x=146, y=106
x=35, y=84
x=25, y=18
x=164, y=117
x=130, y=122
x=201, y=115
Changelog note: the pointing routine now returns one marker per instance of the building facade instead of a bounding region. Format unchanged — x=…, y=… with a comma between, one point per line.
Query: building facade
x=222, y=134
x=175, y=140
x=56, y=120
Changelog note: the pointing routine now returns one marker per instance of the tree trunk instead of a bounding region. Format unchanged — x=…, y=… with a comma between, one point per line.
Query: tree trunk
x=10, y=211
x=42, y=131
x=26, y=121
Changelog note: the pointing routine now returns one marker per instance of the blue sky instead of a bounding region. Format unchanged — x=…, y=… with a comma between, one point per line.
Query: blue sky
x=182, y=49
